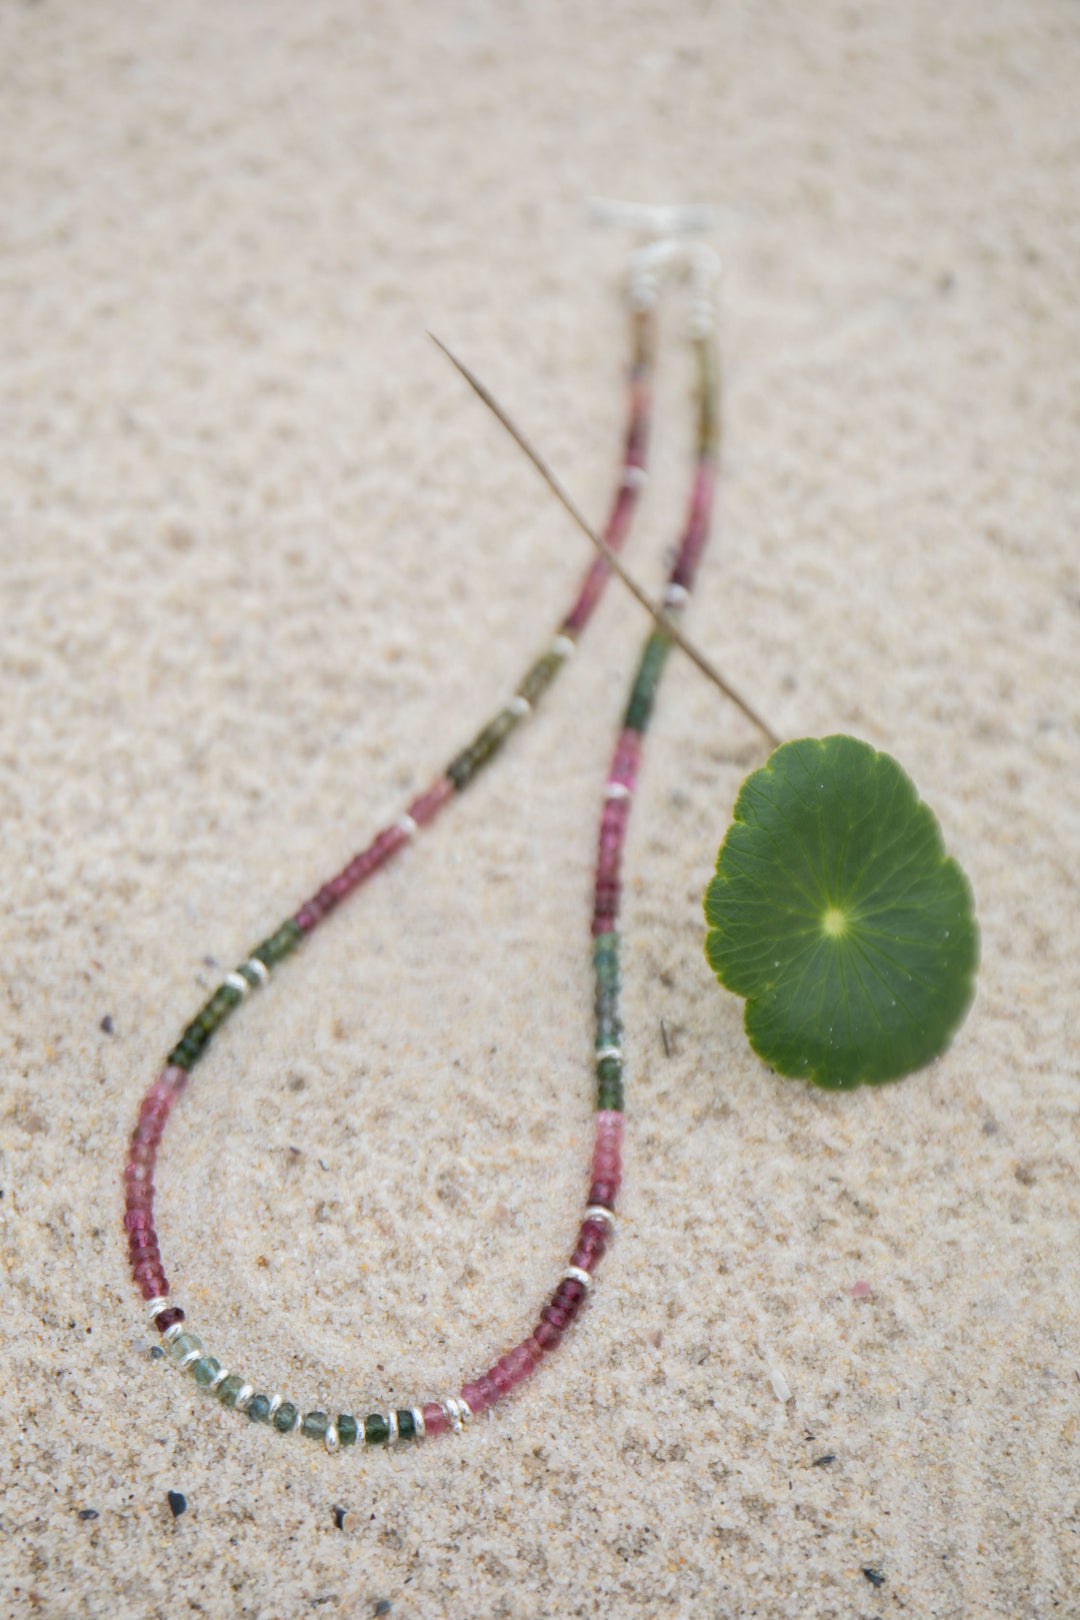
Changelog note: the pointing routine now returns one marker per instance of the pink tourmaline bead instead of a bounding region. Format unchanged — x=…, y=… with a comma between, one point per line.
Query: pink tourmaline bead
x=585, y=1257
x=155, y=1287
x=501, y=1379
x=435, y=1419
x=697, y=528
x=473, y=1396
x=547, y=1336
x=488, y=1390
x=430, y=803
x=607, y=1162
x=519, y=1362
x=138, y=1219
x=145, y=1251
x=603, y=1192
x=558, y=1318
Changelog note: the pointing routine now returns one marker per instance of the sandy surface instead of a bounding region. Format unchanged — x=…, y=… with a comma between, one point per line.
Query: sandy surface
x=265, y=566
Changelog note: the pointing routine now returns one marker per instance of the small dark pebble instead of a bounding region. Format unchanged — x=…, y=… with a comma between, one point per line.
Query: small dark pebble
x=823, y=1462
x=874, y=1576
x=383, y=1606
x=339, y=1517
x=107, y=1025
x=178, y=1503
x=88, y=1513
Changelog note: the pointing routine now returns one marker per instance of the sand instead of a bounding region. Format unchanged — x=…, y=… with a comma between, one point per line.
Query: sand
x=265, y=566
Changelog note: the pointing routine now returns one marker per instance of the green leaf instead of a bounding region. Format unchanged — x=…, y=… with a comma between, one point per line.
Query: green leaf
x=837, y=914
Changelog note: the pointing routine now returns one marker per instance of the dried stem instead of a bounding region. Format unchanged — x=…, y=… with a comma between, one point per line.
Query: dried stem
x=669, y=627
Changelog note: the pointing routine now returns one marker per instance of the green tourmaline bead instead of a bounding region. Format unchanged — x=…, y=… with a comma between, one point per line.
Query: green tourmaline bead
x=462, y=769
x=609, y=1095
x=285, y=1417
x=606, y=962
x=187, y=1052
x=315, y=1425
x=259, y=1409
x=540, y=677
x=347, y=1429
x=639, y=709
x=205, y=1371
x=183, y=1344
x=278, y=946
x=406, y=1424
x=376, y=1430
x=229, y=1389
x=608, y=1068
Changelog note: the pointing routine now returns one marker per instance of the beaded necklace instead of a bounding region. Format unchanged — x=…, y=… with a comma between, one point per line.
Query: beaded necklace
x=183, y=1347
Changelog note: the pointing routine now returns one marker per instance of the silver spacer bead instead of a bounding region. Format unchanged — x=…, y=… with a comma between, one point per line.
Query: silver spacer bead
x=154, y=1307
x=676, y=596
x=243, y=1397
x=519, y=705
x=298, y=1423
x=392, y=1428
x=174, y=1332
x=190, y=1359
x=634, y=477
x=603, y=1052
x=418, y=1423
x=217, y=1380
x=597, y=1212
x=452, y=1409
x=330, y=1439
x=617, y=790
x=576, y=1274
x=275, y=1402
x=236, y=981
x=407, y=825
x=260, y=969
x=562, y=646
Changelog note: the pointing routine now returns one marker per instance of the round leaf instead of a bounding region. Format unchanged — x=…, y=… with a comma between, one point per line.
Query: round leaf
x=837, y=914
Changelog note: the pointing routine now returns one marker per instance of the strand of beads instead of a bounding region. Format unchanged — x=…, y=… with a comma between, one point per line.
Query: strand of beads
x=185, y=1347
x=599, y=1219
x=182, y=1345
x=255, y=971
